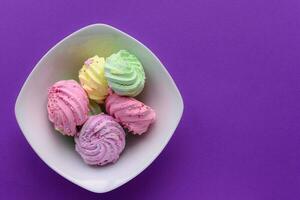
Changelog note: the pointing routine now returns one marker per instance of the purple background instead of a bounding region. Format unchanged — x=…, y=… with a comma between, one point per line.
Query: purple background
x=237, y=65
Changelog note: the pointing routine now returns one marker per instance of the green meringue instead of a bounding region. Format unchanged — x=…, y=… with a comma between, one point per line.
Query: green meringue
x=125, y=74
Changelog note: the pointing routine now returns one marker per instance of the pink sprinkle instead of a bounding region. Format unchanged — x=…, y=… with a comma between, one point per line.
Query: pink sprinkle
x=88, y=62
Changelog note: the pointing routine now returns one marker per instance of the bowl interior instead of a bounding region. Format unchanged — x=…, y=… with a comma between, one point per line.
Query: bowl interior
x=63, y=62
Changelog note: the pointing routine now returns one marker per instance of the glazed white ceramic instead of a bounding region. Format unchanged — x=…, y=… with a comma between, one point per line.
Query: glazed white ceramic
x=63, y=62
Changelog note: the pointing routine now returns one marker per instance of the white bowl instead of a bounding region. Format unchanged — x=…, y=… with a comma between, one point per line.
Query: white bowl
x=63, y=62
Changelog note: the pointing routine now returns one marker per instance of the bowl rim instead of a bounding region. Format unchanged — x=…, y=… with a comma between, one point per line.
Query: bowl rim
x=53, y=167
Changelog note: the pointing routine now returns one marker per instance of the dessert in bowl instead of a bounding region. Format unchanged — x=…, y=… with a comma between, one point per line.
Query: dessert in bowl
x=63, y=62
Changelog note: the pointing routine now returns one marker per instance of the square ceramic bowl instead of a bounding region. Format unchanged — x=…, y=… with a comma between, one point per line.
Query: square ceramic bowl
x=63, y=61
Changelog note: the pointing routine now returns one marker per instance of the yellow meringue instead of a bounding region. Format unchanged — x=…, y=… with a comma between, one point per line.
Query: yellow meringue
x=92, y=79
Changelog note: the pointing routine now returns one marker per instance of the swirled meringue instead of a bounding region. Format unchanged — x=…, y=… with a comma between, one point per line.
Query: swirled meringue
x=67, y=106
x=129, y=112
x=92, y=79
x=124, y=73
x=101, y=140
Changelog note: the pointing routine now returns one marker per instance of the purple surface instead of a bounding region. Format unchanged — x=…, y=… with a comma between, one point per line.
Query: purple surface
x=237, y=65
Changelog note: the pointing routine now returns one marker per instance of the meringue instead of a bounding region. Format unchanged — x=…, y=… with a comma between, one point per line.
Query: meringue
x=124, y=73
x=92, y=79
x=100, y=141
x=67, y=106
x=131, y=113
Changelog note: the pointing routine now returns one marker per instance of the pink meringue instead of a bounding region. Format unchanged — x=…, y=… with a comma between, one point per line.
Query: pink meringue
x=129, y=112
x=67, y=106
x=101, y=140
